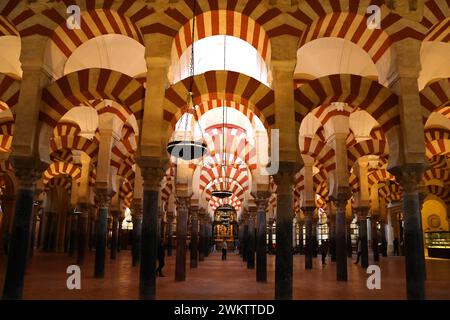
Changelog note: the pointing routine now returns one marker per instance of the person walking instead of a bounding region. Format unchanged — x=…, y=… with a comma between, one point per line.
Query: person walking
x=396, y=247
x=324, y=251
x=224, y=250
x=161, y=258
x=359, y=251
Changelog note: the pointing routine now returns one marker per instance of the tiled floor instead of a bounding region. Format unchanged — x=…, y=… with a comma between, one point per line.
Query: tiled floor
x=216, y=279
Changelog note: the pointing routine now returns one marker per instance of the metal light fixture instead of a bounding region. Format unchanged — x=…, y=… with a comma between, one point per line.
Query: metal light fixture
x=187, y=149
x=225, y=207
x=222, y=194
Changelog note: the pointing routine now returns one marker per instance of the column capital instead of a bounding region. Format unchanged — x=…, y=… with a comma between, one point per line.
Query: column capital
x=183, y=203
x=151, y=177
x=104, y=197
x=308, y=211
x=28, y=170
x=362, y=212
x=170, y=216
x=409, y=176
x=285, y=177
x=136, y=208
x=194, y=211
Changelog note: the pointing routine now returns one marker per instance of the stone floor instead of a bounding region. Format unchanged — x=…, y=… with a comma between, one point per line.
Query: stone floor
x=216, y=279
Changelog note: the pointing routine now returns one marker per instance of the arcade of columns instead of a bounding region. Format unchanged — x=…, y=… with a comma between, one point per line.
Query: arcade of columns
x=75, y=187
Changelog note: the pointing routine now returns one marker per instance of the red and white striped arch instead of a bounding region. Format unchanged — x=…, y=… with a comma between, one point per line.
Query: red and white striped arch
x=236, y=143
x=64, y=128
x=438, y=174
x=122, y=150
x=380, y=102
x=379, y=175
x=61, y=168
x=436, y=20
x=62, y=181
x=6, y=135
x=434, y=97
x=125, y=168
x=319, y=150
x=240, y=20
x=348, y=20
x=220, y=85
x=89, y=84
x=439, y=191
x=94, y=23
x=126, y=193
x=70, y=142
x=223, y=22
x=234, y=201
x=206, y=106
x=439, y=162
x=235, y=180
x=9, y=91
x=437, y=142
x=391, y=191
x=365, y=148
x=14, y=16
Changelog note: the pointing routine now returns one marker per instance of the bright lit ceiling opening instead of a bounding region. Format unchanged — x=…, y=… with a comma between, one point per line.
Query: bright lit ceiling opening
x=210, y=54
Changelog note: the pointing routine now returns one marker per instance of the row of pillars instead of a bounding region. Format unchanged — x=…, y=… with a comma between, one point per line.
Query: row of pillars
x=252, y=241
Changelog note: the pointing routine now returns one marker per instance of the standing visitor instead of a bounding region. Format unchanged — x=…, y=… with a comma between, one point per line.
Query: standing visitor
x=224, y=250
x=161, y=257
x=396, y=248
x=359, y=251
x=324, y=251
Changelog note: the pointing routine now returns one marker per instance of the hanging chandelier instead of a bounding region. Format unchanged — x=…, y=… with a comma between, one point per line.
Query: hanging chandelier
x=224, y=193
x=186, y=148
x=225, y=207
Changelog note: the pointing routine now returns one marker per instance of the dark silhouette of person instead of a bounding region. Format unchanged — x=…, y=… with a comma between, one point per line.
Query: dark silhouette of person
x=161, y=258
x=224, y=250
x=359, y=251
x=324, y=250
x=396, y=247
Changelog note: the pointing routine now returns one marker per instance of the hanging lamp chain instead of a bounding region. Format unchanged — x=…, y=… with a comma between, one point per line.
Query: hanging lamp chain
x=224, y=115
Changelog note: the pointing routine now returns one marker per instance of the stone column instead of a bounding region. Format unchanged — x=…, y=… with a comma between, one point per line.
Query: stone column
x=169, y=233
x=136, y=216
x=348, y=222
x=251, y=238
x=182, y=224
x=114, y=234
x=315, y=221
x=300, y=235
x=208, y=230
x=245, y=238
x=261, y=247
x=270, y=225
x=309, y=213
x=36, y=211
x=409, y=177
x=284, y=260
x=92, y=226
x=104, y=199
x=194, y=237
x=383, y=238
x=73, y=232
x=8, y=205
x=83, y=220
x=331, y=217
x=341, y=239
x=361, y=213
x=374, y=236
x=27, y=176
x=202, y=235
x=149, y=238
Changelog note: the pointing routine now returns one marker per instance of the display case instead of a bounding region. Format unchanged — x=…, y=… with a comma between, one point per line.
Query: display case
x=438, y=244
